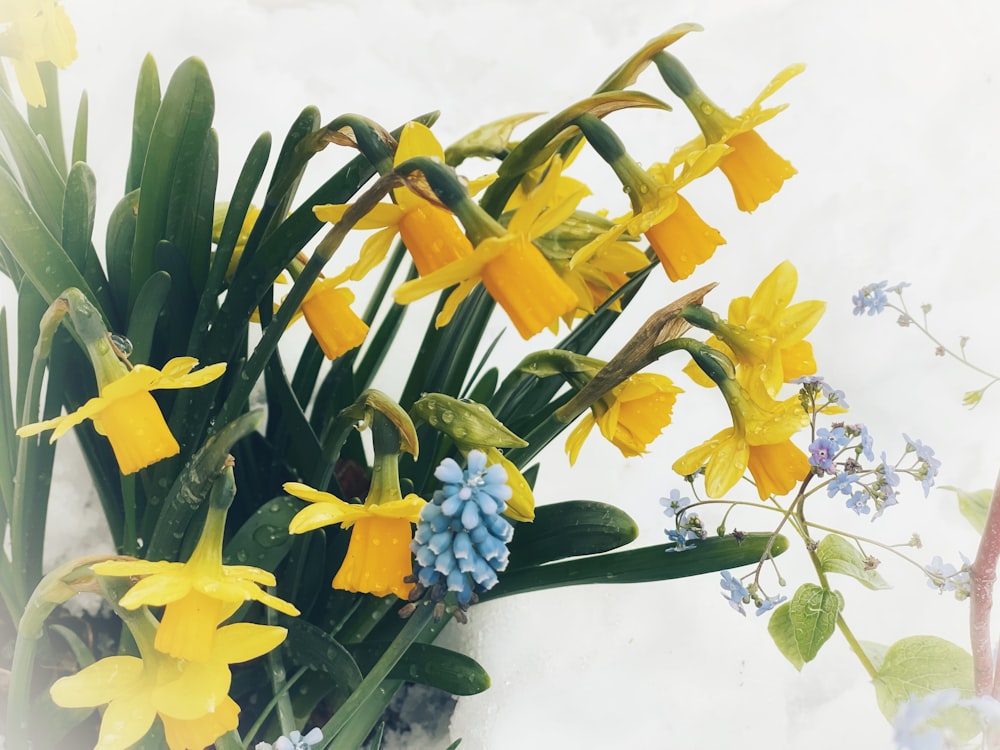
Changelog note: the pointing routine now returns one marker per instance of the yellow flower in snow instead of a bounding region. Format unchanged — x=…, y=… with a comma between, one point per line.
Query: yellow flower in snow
x=753, y=169
x=514, y=271
x=378, y=555
x=37, y=31
x=766, y=331
x=759, y=439
x=190, y=698
x=127, y=414
x=199, y=594
x=327, y=310
x=630, y=416
x=431, y=234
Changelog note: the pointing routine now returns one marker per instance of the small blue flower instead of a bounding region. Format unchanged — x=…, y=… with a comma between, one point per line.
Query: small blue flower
x=461, y=539
x=840, y=484
x=928, y=464
x=822, y=451
x=898, y=288
x=675, y=503
x=838, y=435
x=870, y=298
x=866, y=442
x=770, y=603
x=858, y=502
x=738, y=593
x=294, y=741
x=680, y=539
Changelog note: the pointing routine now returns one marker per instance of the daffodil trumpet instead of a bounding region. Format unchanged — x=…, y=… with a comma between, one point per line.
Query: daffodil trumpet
x=753, y=169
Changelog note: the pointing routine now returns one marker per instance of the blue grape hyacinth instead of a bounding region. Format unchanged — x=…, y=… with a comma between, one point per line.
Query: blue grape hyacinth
x=461, y=539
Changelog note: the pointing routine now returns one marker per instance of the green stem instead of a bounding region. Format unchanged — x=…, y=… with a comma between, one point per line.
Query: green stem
x=925, y=329
x=279, y=683
x=419, y=620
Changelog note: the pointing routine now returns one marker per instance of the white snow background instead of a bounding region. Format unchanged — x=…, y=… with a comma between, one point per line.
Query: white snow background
x=892, y=130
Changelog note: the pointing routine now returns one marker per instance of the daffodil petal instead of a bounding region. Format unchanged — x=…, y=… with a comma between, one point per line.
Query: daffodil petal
x=101, y=682
x=373, y=252
x=307, y=493
x=126, y=721
x=453, y=300
x=197, y=690
x=243, y=641
x=157, y=590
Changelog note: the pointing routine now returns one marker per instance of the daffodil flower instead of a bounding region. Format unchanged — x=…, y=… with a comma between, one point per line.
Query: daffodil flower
x=753, y=169
x=190, y=698
x=36, y=31
x=431, y=234
x=630, y=416
x=327, y=310
x=515, y=273
x=127, y=414
x=378, y=556
x=766, y=331
x=759, y=440
x=199, y=594
x=678, y=235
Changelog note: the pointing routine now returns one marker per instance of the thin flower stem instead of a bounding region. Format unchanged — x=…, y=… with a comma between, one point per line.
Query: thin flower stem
x=982, y=575
x=266, y=712
x=279, y=683
x=925, y=329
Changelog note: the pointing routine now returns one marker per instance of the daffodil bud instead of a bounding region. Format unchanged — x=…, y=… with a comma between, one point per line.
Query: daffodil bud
x=468, y=423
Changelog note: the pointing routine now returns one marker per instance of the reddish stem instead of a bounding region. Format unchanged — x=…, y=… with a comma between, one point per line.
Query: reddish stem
x=982, y=575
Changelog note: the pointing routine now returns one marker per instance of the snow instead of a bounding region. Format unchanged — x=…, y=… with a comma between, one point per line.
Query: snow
x=890, y=129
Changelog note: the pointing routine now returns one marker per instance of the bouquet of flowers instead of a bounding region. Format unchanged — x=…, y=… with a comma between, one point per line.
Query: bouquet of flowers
x=289, y=539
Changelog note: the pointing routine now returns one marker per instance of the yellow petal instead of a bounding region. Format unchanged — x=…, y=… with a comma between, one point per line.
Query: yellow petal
x=187, y=690
x=382, y=215
x=373, y=252
x=577, y=437
x=307, y=493
x=243, y=641
x=157, y=590
x=126, y=721
x=99, y=683
x=453, y=300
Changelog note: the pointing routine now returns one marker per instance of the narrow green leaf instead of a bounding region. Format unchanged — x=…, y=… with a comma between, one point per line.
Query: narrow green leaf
x=973, y=505
x=263, y=540
x=118, y=248
x=36, y=251
x=147, y=104
x=311, y=647
x=192, y=207
x=783, y=634
x=42, y=181
x=813, y=613
x=287, y=427
x=177, y=139
x=570, y=529
x=141, y=325
x=919, y=665
x=8, y=422
x=79, y=208
x=640, y=565
x=79, y=152
x=438, y=667
x=47, y=120
x=837, y=555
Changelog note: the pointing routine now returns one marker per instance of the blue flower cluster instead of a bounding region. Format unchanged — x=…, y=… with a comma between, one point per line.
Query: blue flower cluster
x=687, y=526
x=871, y=297
x=814, y=384
x=461, y=539
x=295, y=741
x=946, y=577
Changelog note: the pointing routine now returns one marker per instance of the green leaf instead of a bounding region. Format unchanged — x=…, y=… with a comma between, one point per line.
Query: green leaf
x=118, y=248
x=141, y=325
x=783, y=634
x=47, y=120
x=79, y=208
x=192, y=208
x=176, y=142
x=42, y=182
x=79, y=152
x=311, y=647
x=570, y=529
x=837, y=555
x=438, y=667
x=147, y=104
x=263, y=540
x=640, y=565
x=919, y=665
x=813, y=614
x=973, y=505
x=36, y=251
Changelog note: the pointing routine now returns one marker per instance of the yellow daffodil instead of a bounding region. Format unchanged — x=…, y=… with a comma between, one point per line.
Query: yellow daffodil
x=514, y=271
x=600, y=275
x=758, y=440
x=753, y=169
x=127, y=414
x=431, y=234
x=678, y=235
x=190, y=698
x=199, y=594
x=327, y=310
x=378, y=556
x=766, y=331
x=631, y=416
x=36, y=31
